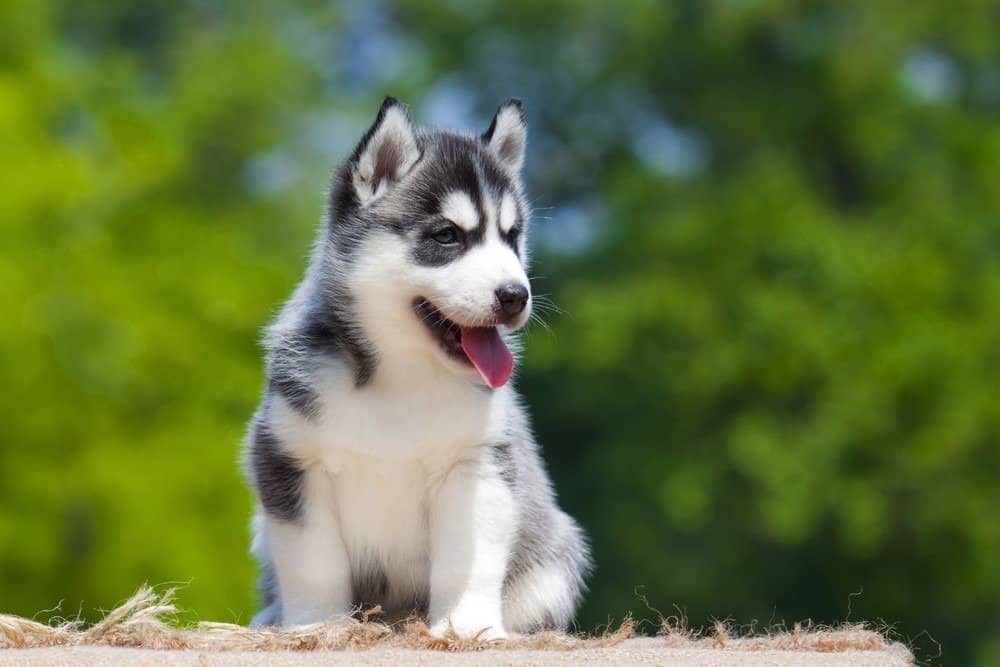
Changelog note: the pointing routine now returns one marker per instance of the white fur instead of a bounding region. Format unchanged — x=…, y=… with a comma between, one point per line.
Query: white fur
x=472, y=527
x=458, y=207
x=539, y=588
x=311, y=558
x=508, y=212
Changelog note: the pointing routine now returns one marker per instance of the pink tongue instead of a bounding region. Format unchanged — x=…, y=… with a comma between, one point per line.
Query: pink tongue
x=488, y=354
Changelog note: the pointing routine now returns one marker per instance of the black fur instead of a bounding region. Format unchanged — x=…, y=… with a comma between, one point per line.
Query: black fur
x=512, y=237
x=369, y=585
x=330, y=330
x=277, y=476
x=429, y=252
x=298, y=393
x=325, y=331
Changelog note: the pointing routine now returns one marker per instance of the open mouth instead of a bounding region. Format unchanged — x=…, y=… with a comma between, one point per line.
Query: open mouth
x=480, y=347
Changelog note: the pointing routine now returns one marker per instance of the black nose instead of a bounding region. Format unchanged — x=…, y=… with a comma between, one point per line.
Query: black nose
x=513, y=298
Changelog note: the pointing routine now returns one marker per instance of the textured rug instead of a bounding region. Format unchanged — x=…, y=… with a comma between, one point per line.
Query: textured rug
x=140, y=632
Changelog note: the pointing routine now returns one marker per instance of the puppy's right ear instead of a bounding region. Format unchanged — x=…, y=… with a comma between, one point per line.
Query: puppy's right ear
x=385, y=154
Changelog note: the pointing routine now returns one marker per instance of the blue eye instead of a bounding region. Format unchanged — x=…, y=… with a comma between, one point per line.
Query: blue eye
x=446, y=235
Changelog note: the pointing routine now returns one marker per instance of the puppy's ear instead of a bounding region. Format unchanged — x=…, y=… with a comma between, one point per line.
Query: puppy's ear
x=507, y=135
x=385, y=154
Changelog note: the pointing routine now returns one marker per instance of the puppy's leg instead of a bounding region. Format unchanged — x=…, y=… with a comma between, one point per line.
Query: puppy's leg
x=309, y=557
x=472, y=522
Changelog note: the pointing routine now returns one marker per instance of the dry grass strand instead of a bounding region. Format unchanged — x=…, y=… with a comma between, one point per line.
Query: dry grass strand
x=145, y=621
x=818, y=638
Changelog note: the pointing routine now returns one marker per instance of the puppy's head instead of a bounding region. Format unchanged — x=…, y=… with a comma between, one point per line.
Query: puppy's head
x=433, y=227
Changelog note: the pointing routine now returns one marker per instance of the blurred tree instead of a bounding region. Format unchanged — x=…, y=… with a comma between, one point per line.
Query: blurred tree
x=772, y=229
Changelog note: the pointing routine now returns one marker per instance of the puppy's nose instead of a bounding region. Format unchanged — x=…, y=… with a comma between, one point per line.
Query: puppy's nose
x=513, y=298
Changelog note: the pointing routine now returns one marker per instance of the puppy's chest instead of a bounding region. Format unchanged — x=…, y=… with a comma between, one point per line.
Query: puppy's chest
x=394, y=423
x=382, y=505
x=383, y=512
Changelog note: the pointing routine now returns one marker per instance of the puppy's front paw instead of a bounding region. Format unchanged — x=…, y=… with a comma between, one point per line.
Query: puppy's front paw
x=468, y=628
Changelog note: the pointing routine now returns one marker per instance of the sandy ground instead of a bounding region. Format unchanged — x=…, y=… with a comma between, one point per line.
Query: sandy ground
x=639, y=651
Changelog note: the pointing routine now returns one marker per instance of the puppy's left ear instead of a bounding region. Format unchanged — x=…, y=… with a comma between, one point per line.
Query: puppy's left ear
x=385, y=154
x=507, y=135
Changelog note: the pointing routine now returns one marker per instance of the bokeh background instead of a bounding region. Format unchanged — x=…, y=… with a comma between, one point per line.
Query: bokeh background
x=772, y=229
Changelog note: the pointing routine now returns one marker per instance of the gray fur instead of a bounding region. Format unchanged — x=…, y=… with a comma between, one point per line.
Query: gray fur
x=319, y=323
x=546, y=536
x=267, y=593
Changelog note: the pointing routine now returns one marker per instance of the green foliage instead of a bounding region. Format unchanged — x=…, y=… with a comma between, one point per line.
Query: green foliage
x=773, y=379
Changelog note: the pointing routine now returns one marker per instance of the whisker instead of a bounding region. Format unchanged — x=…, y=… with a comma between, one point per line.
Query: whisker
x=545, y=304
x=538, y=319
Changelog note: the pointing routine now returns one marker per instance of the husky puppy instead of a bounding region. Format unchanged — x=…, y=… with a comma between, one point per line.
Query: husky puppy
x=390, y=457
